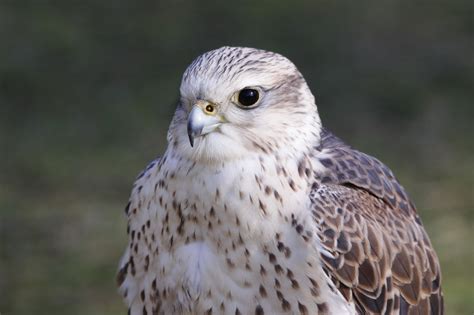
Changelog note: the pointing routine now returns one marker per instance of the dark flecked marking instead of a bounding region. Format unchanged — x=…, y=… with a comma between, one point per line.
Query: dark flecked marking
x=302, y=308
x=323, y=308
x=272, y=258
x=285, y=305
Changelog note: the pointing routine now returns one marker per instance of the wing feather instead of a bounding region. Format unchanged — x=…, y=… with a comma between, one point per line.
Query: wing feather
x=381, y=257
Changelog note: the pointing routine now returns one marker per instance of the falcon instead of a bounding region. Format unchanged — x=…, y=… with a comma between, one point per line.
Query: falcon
x=255, y=208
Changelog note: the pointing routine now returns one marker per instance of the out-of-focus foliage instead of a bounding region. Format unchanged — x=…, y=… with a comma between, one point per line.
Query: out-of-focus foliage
x=87, y=89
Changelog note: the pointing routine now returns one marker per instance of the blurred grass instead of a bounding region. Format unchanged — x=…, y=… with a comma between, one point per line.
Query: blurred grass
x=87, y=91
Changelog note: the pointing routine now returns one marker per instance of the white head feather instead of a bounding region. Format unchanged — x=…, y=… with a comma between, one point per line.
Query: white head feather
x=284, y=122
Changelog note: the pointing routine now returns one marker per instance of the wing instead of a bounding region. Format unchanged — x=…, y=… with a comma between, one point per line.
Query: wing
x=382, y=259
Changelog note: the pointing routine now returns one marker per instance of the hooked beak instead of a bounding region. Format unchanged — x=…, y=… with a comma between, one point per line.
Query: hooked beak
x=202, y=119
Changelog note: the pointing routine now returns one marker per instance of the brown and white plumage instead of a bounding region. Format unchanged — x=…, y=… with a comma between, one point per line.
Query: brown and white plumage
x=254, y=208
x=382, y=257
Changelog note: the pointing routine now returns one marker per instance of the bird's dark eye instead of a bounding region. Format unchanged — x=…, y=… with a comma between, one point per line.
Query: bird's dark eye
x=248, y=97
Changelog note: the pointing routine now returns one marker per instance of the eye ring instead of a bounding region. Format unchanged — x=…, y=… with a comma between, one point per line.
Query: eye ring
x=248, y=97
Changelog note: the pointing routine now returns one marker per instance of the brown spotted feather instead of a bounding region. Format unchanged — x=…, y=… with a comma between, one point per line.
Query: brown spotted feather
x=382, y=259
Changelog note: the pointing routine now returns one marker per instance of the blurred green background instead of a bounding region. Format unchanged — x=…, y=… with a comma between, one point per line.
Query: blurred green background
x=87, y=90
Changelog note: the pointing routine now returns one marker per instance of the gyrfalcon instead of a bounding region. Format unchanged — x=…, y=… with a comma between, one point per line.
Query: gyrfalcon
x=255, y=208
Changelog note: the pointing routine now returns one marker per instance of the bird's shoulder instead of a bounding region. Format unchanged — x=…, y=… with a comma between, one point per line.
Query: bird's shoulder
x=376, y=249
x=143, y=177
x=346, y=166
x=136, y=218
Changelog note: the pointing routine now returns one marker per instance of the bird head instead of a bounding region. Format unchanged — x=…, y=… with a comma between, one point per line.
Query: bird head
x=237, y=102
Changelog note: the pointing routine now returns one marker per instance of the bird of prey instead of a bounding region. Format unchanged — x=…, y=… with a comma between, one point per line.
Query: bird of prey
x=255, y=208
